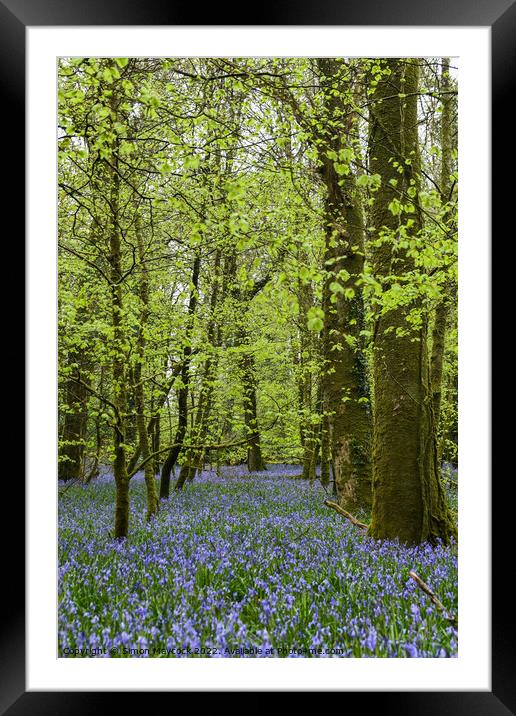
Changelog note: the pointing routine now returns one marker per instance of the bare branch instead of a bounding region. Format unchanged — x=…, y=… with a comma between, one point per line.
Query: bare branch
x=335, y=506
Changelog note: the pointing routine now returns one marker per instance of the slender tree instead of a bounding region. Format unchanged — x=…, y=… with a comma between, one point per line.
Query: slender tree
x=446, y=188
x=184, y=378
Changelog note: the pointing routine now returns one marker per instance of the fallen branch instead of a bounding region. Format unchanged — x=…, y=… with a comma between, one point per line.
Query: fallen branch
x=335, y=506
x=434, y=599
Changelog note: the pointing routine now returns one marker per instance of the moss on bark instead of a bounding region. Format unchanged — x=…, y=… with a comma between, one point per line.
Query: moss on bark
x=408, y=499
x=346, y=390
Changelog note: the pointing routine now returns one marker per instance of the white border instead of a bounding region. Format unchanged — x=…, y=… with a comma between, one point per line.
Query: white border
x=471, y=670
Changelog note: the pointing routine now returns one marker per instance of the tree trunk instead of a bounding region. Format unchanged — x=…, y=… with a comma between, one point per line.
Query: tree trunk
x=255, y=461
x=71, y=452
x=194, y=457
x=307, y=348
x=325, y=452
x=242, y=299
x=408, y=499
x=309, y=433
x=317, y=432
x=346, y=388
x=443, y=308
x=119, y=371
x=437, y=357
x=93, y=470
x=156, y=442
x=131, y=429
x=139, y=393
x=171, y=459
x=182, y=395
x=152, y=496
x=122, y=509
x=153, y=426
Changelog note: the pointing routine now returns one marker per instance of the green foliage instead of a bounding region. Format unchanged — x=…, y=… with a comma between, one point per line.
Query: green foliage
x=222, y=160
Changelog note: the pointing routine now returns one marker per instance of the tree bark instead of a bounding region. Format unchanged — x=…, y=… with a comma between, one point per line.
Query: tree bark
x=119, y=364
x=255, y=461
x=71, y=452
x=346, y=388
x=443, y=308
x=437, y=357
x=408, y=499
x=122, y=508
x=93, y=470
x=325, y=452
x=155, y=434
x=139, y=393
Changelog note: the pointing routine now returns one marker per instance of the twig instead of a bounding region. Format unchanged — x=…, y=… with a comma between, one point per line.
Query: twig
x=434, y=599
x=335, y=506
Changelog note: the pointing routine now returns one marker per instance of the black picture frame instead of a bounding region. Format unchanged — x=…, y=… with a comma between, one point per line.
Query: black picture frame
x=15, y=16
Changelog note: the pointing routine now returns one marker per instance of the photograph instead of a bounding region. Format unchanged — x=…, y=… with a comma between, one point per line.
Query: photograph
x=259, y=288
x=257, y=356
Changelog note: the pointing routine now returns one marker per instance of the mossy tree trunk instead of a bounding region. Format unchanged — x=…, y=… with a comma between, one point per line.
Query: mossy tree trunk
x=408, y=499
x=437, y=359
x=346, y=389
x=255, y=461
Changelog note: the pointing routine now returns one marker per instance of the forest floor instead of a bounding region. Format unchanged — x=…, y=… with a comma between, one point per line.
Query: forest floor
x=241, y=565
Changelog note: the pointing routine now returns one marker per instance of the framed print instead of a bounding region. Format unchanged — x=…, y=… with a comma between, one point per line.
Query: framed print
x=195, y=293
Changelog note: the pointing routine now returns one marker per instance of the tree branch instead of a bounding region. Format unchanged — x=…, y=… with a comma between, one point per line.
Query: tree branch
x=335, y=506
x=433, y=598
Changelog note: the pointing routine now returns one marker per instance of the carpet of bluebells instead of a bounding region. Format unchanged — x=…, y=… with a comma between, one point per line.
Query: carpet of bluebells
x=243, y=566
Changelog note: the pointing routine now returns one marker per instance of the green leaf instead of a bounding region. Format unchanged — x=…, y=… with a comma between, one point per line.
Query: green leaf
x=315, y=324
x=336, y=287
x=341, y=169
x=103, y=112
x=192, y=162
x=395, y=207
x=107, y=75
